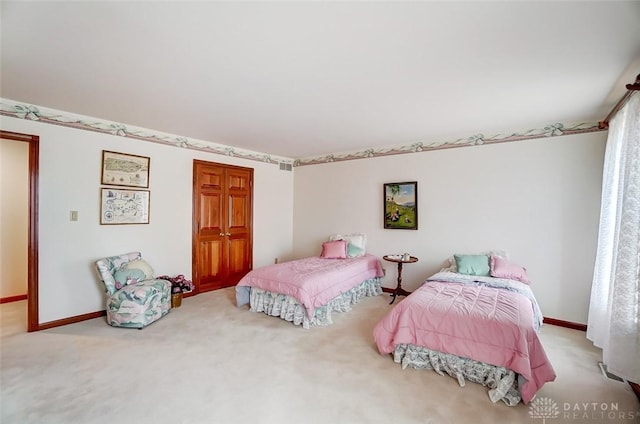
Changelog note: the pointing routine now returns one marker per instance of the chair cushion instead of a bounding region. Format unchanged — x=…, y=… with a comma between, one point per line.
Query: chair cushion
x=142, y=265
x=125, y=276
x=108, y=266
x=139, y=304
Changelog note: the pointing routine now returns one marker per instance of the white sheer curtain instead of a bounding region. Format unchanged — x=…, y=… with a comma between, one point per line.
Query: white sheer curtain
x=614, y=311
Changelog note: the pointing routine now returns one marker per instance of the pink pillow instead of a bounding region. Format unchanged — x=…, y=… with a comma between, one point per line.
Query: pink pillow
x=502, y=268
x=334, y=249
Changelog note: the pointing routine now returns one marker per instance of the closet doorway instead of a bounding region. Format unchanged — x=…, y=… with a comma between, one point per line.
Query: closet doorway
x=222, y=225
x=32, y=224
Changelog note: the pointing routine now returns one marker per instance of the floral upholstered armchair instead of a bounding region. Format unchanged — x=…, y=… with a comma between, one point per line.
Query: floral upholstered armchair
x=135, y=298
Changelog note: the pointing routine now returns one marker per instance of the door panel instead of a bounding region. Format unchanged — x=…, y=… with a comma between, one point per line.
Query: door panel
x=209, y=265
x=237, y=180
x=239, y=256
x=211, y=178
x=211, y=216
x=238, y=212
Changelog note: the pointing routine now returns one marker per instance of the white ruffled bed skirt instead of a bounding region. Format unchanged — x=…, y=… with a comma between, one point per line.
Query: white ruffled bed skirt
x=288, y=308
x=501, y=381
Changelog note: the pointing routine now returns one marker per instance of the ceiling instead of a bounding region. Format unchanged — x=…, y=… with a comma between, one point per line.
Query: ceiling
x=303, y=79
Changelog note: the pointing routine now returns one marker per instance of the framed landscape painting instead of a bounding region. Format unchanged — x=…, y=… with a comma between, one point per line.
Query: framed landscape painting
x=401, y=206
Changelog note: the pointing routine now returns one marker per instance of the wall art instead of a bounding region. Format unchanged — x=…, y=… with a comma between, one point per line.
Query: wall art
x=401, y=206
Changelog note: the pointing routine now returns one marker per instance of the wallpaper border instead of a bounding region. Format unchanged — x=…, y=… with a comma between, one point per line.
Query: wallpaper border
x=81, y=122
x=552, y=130
x=50, y=116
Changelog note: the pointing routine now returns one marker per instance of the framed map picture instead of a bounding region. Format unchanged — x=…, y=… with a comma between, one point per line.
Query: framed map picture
x=401, y=206
x=118, y=206
x=121, y=169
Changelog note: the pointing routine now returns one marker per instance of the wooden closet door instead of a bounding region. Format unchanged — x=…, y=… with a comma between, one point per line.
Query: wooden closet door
x=209, y=240
x=239, y=219
x=222, y=240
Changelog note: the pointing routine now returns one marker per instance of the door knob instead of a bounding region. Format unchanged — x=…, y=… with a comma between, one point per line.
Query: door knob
x=221, y=234
x=228, y=234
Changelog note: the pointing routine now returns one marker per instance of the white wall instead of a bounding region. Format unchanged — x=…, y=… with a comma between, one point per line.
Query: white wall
x=538, y=200
x=14, y=215
x=70, y=162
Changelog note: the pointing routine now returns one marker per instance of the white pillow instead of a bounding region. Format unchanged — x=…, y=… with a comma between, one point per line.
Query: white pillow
x=142, y=266
x=356, y=243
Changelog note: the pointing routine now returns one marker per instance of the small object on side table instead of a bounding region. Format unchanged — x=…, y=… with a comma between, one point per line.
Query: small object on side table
x=400, y=259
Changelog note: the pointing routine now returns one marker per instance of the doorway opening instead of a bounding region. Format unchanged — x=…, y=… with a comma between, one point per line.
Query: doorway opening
x=32, y=234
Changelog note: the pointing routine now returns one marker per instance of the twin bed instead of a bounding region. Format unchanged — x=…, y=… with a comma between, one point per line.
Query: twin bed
x=307, y=291
x=475, y=328
x=475, y=321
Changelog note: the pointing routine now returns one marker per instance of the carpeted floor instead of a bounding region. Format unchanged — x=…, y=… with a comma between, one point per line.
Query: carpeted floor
x=211, y=362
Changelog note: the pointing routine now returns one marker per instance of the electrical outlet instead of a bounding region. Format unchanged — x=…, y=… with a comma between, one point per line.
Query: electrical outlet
x=73, y=216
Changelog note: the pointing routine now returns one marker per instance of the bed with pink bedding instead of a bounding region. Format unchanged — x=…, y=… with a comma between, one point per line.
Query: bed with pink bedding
x=475, y=328
x=306, y=291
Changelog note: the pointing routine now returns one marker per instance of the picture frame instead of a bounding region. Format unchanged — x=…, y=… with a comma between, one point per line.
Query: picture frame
x=401, y=205
x=121, y=206
x=123, y=169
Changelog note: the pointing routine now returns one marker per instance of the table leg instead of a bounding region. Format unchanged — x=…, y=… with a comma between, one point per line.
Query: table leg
x=399, y=291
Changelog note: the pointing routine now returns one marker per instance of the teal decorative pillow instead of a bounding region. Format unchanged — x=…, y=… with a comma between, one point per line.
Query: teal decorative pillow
x=125, y=276
x=472, y=264
x=354, y=251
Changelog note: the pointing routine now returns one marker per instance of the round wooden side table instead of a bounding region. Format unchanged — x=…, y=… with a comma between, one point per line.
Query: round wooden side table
x=399, y=291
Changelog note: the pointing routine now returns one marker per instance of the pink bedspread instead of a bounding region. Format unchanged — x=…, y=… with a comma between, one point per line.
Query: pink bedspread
x=482, y=323
x=311, y=281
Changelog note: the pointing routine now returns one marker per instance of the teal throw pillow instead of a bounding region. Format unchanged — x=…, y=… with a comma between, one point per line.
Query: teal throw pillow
x=473, y=264
x=354, y=251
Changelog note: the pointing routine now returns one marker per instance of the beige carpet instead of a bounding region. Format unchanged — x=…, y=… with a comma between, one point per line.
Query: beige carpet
x=210, y=362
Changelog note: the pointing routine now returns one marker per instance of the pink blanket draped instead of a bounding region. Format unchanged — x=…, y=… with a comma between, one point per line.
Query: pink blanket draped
x=313, y=281
x=482, y=323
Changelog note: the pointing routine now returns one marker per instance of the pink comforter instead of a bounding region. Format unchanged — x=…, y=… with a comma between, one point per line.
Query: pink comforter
x=482, y=323
x=311, y=281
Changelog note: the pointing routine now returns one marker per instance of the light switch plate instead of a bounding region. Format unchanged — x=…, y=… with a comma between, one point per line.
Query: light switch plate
x=73, y=216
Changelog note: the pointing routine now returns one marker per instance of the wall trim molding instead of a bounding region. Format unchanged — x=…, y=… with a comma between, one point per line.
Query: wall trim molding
x=566, y=324
x=29, y=112
x=72, y=320
x=16, y=298
x=636, y=389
